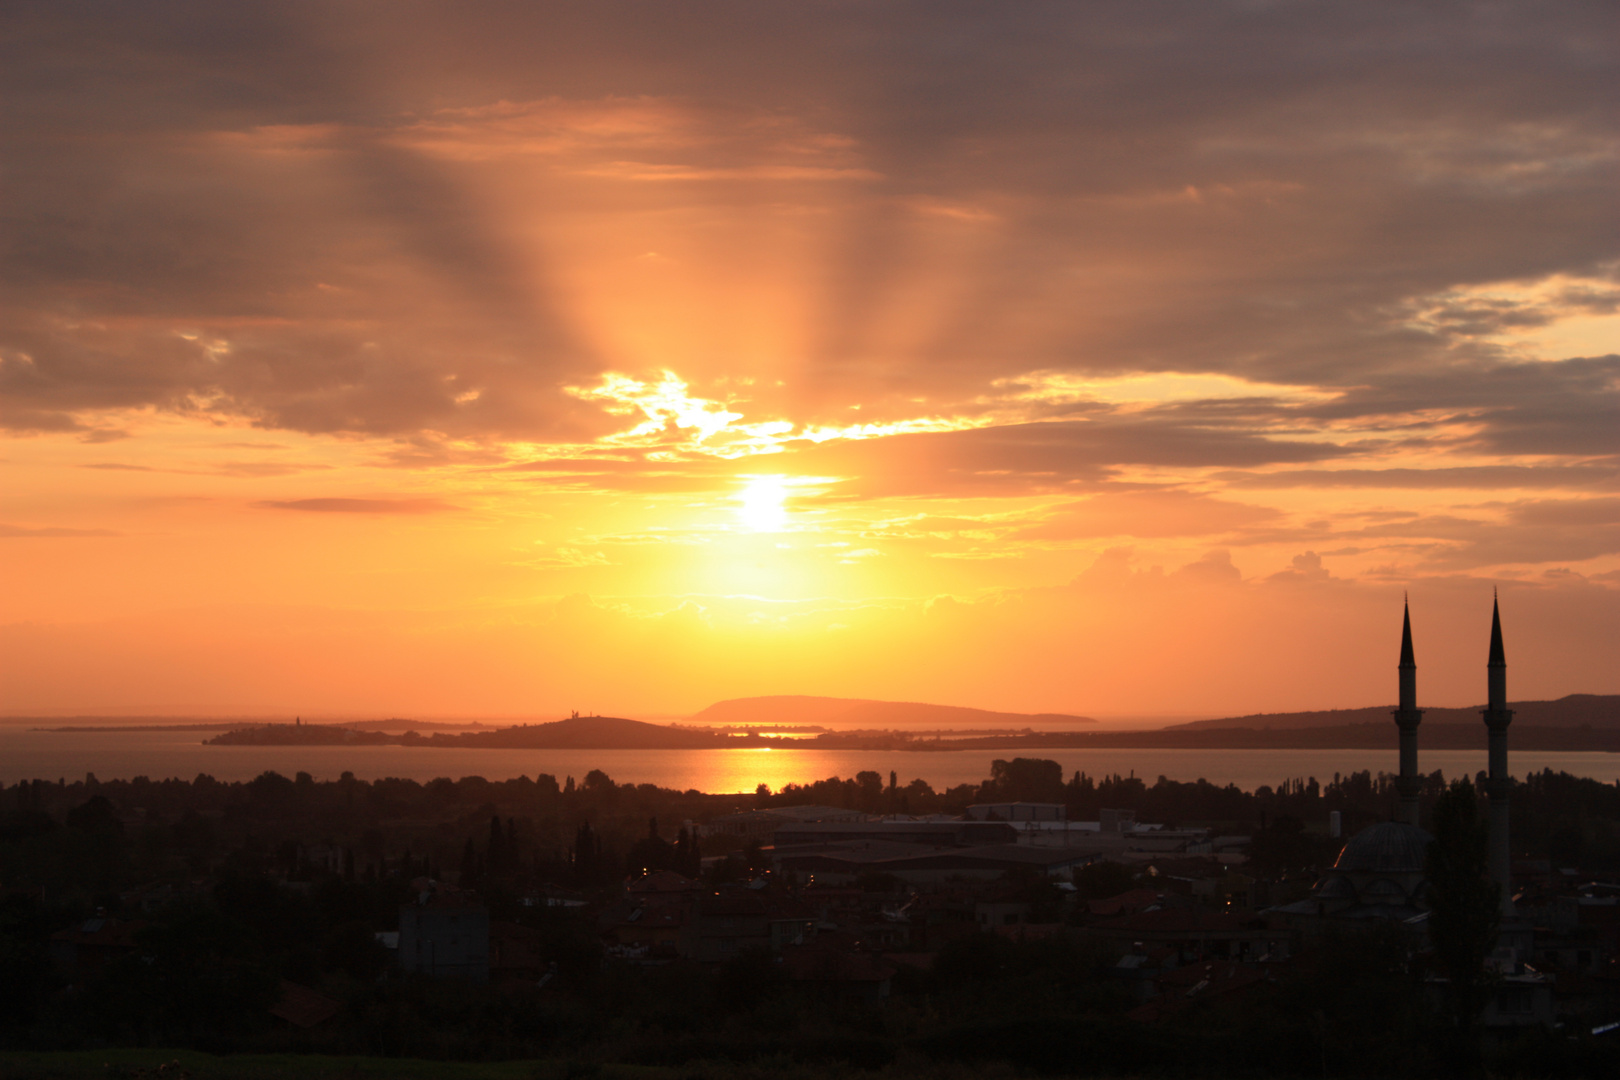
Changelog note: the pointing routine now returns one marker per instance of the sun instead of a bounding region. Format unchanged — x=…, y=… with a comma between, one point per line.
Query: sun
x=763, y=508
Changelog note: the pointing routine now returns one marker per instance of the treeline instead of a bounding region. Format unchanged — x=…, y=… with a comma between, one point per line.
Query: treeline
x=92, y=838
x=56, y=833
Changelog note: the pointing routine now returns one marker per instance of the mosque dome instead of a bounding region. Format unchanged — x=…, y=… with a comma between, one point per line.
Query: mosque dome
x=1334, y=887
x=1390, y=847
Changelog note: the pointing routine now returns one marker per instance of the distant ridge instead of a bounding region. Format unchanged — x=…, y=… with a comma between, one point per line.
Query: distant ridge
x=803, y=710
x=575, y=733
x=1343, y=731
x=1572, y=711
x=589, y=733
x=398, y=724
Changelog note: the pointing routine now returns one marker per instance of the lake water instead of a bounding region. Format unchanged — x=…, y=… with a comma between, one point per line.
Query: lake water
x=27, y=755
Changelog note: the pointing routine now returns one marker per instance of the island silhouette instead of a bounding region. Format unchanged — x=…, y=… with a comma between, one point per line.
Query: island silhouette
x=1575, y=722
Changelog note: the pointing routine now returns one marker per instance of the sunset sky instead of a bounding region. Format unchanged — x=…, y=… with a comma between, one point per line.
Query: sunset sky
x=499, y=360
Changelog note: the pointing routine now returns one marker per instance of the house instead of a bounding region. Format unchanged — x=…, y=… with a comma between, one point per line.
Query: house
x=661, y=882
x=723, y=926
x=955, y=833
x=445, y=932
x=990, y=914
x=1181, y=988
x=1031, y=931
x=650, y=923
x=84, y=948
x=1520, y=998
x=1128, y=902
x=1140, y=969
x=1200, y=934
x=842, y=863
x=762, y=823
x=515, y=953
x=1209, y=879
x=839, y=970
x=302, y=1007
x=1017, y=811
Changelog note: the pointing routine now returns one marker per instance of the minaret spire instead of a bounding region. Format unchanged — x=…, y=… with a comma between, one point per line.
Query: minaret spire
x=1498, y=786
x=1498, y=654
x=1407, y=718
x=1407, y=659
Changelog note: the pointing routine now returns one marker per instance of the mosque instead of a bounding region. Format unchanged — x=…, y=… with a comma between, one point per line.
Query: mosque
x=1380, y=872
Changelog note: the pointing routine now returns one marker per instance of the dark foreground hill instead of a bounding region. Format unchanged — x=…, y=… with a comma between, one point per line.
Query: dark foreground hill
x=799, y=710
x=1571, y=711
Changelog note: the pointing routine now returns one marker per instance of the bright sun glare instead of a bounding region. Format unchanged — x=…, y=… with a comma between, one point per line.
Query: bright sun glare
x=762, y=504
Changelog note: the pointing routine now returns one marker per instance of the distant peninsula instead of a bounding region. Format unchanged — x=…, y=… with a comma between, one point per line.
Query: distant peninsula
x=777, y=711
x=1580, y=722
x=574, y=733
x=1571, y=711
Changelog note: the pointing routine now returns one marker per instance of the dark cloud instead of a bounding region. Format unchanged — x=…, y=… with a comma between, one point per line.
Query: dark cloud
x=1025, y=458
x=1537, y=531
x=1275, y=190
x=1588, y=477
x=359, y=506
x=1568, y=512
x=1562, y=407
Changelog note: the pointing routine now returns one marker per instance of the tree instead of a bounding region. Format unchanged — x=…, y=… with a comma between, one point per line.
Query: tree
x=1102, y=879
x=688, y=859
x=1026, y=780
x=652, y=852
x=1463, y=911
x=97, y=815
x=869, y=791
x=587, y=855
x=694, y=856
x=1284, y=847
x=495, y=860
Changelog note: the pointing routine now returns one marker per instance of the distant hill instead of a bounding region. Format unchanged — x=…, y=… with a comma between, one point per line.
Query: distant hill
x=616, y=733
x=801, y=710
x=397, y=724
x=588, y=733
x=1573, y=711
x=575, y=733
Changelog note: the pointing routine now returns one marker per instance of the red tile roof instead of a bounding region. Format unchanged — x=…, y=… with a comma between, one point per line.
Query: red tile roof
x=303, y=1007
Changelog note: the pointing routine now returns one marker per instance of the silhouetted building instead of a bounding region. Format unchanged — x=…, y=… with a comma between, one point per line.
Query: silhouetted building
x=1017, y=811
x=957, y=833
x=846, y=861
x=762, y=823
x=1498, y=785
x=84, y=948
x=445, y=931
x=1379, y=873
x=1407, y=718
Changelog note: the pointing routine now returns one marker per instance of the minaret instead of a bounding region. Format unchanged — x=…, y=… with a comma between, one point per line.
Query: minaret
x=1498, y=786
x=1407, y=718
